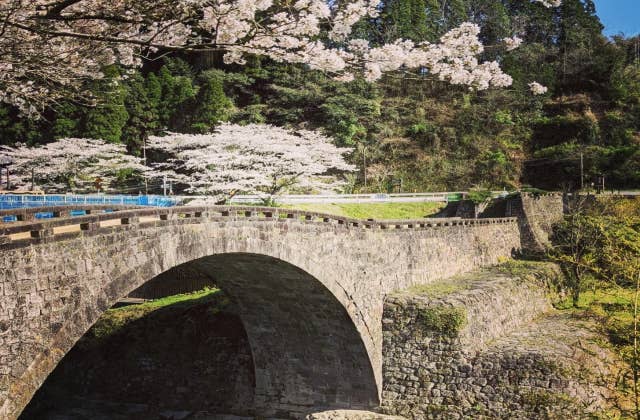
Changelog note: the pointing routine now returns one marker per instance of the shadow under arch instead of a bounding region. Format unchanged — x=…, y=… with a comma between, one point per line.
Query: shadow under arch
x=307, y=352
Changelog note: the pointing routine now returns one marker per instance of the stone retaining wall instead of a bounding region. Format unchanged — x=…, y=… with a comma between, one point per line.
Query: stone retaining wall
x=476, y=346
x=536, y=216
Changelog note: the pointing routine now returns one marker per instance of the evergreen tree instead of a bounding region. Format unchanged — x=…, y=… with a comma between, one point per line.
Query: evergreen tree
x=143, y=117
x=154, y=91
x=406, y=19
x=17, y=129
x=211, y=104
x=176, y=92
x=67, y=121
x=107, y=119
x=579, y=37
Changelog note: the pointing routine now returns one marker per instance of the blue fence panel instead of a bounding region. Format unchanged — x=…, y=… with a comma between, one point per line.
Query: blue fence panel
x=8, y=201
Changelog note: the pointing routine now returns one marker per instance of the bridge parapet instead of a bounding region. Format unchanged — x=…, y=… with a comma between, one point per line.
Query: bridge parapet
x=60, y=228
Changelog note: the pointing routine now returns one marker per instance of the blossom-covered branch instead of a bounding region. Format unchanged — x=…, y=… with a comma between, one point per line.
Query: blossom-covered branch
x=61, y=165
x=255, y=158
x=48, y=48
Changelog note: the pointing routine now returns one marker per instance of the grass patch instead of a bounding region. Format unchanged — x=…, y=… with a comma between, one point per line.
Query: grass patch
x=373, y=210
x=114, y=319
x=613, y=307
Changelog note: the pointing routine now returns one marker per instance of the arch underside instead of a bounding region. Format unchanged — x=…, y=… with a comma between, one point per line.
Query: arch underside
x=307, y=353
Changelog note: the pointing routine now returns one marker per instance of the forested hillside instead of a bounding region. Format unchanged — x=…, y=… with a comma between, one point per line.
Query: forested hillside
x=430, y=134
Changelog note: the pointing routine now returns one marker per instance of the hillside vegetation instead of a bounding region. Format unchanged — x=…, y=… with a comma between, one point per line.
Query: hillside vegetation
x=432, y=135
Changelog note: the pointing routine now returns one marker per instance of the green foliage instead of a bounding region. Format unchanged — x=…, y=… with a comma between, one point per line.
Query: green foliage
x=177, y=89
x=479, y=196
x=14, y=129
x=432, y=135
x=108, y=118
x=445, y=320
x=67, y=121
x=143, y=116
x=211, y=105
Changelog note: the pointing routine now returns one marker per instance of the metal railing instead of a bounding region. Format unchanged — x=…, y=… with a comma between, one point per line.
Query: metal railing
x=14, y=201
x=443, y=197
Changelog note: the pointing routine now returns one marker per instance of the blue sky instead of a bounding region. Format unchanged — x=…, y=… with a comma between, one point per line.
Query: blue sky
x=619, y=16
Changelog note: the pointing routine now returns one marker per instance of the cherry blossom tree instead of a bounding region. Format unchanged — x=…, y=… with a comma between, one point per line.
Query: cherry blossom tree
x=48, y=48
x=64, y=164
x=255, y=158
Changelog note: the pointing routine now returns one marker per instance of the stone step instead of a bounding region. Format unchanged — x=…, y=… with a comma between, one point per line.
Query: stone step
x=475, y=308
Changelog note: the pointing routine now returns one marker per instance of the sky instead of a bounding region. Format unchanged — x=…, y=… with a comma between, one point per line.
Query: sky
x=619, y=16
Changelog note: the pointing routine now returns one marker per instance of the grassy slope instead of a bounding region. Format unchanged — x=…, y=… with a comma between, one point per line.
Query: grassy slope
x=114, y=319
x=373, y=210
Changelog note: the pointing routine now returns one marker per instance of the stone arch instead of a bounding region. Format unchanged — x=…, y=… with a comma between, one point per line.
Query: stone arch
x=323, y=363
x=56, y=287
x=307, y=353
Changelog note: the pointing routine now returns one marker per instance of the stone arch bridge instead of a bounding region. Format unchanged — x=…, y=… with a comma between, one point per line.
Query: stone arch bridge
x=310, y=288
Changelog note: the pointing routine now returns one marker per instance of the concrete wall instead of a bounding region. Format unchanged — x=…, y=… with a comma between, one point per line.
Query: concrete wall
x=310, y=294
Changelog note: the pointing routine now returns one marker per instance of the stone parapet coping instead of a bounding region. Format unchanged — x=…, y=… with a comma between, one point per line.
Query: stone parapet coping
x=62, y=227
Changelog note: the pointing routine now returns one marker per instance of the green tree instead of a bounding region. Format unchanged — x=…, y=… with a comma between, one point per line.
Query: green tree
x=211, y=105
x=176, y=92
x=106, y=120
x=16, y=129
x=67, y=121
x=575, y=248
x=143, y=117
x=154, y=91
x=406, y=19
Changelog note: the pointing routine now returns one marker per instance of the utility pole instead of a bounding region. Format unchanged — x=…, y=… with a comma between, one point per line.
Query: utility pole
x=581, y=171
x=144, y=155
x=364, y=164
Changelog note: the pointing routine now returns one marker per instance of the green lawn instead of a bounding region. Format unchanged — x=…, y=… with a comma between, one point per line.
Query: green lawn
x=373, y=210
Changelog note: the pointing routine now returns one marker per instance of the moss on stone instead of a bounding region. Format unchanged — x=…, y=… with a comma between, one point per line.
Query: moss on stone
x=446, y=320
x=543, y=274
x=438, y=289
x=542, y=400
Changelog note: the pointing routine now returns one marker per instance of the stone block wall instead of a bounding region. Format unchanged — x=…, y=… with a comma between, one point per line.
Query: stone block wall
x=192, y=356
x=536, y=216
x=486, y=345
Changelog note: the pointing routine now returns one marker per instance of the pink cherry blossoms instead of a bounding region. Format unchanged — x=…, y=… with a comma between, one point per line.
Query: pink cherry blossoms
x=255, y=158
x=66, y=164
x=49, y=48
x=537, y=89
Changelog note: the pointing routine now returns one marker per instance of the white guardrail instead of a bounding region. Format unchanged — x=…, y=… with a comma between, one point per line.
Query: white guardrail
x=352, y=198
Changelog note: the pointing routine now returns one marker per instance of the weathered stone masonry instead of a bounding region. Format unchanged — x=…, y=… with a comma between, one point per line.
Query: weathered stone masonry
x=302, y=282
x=489, y=345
